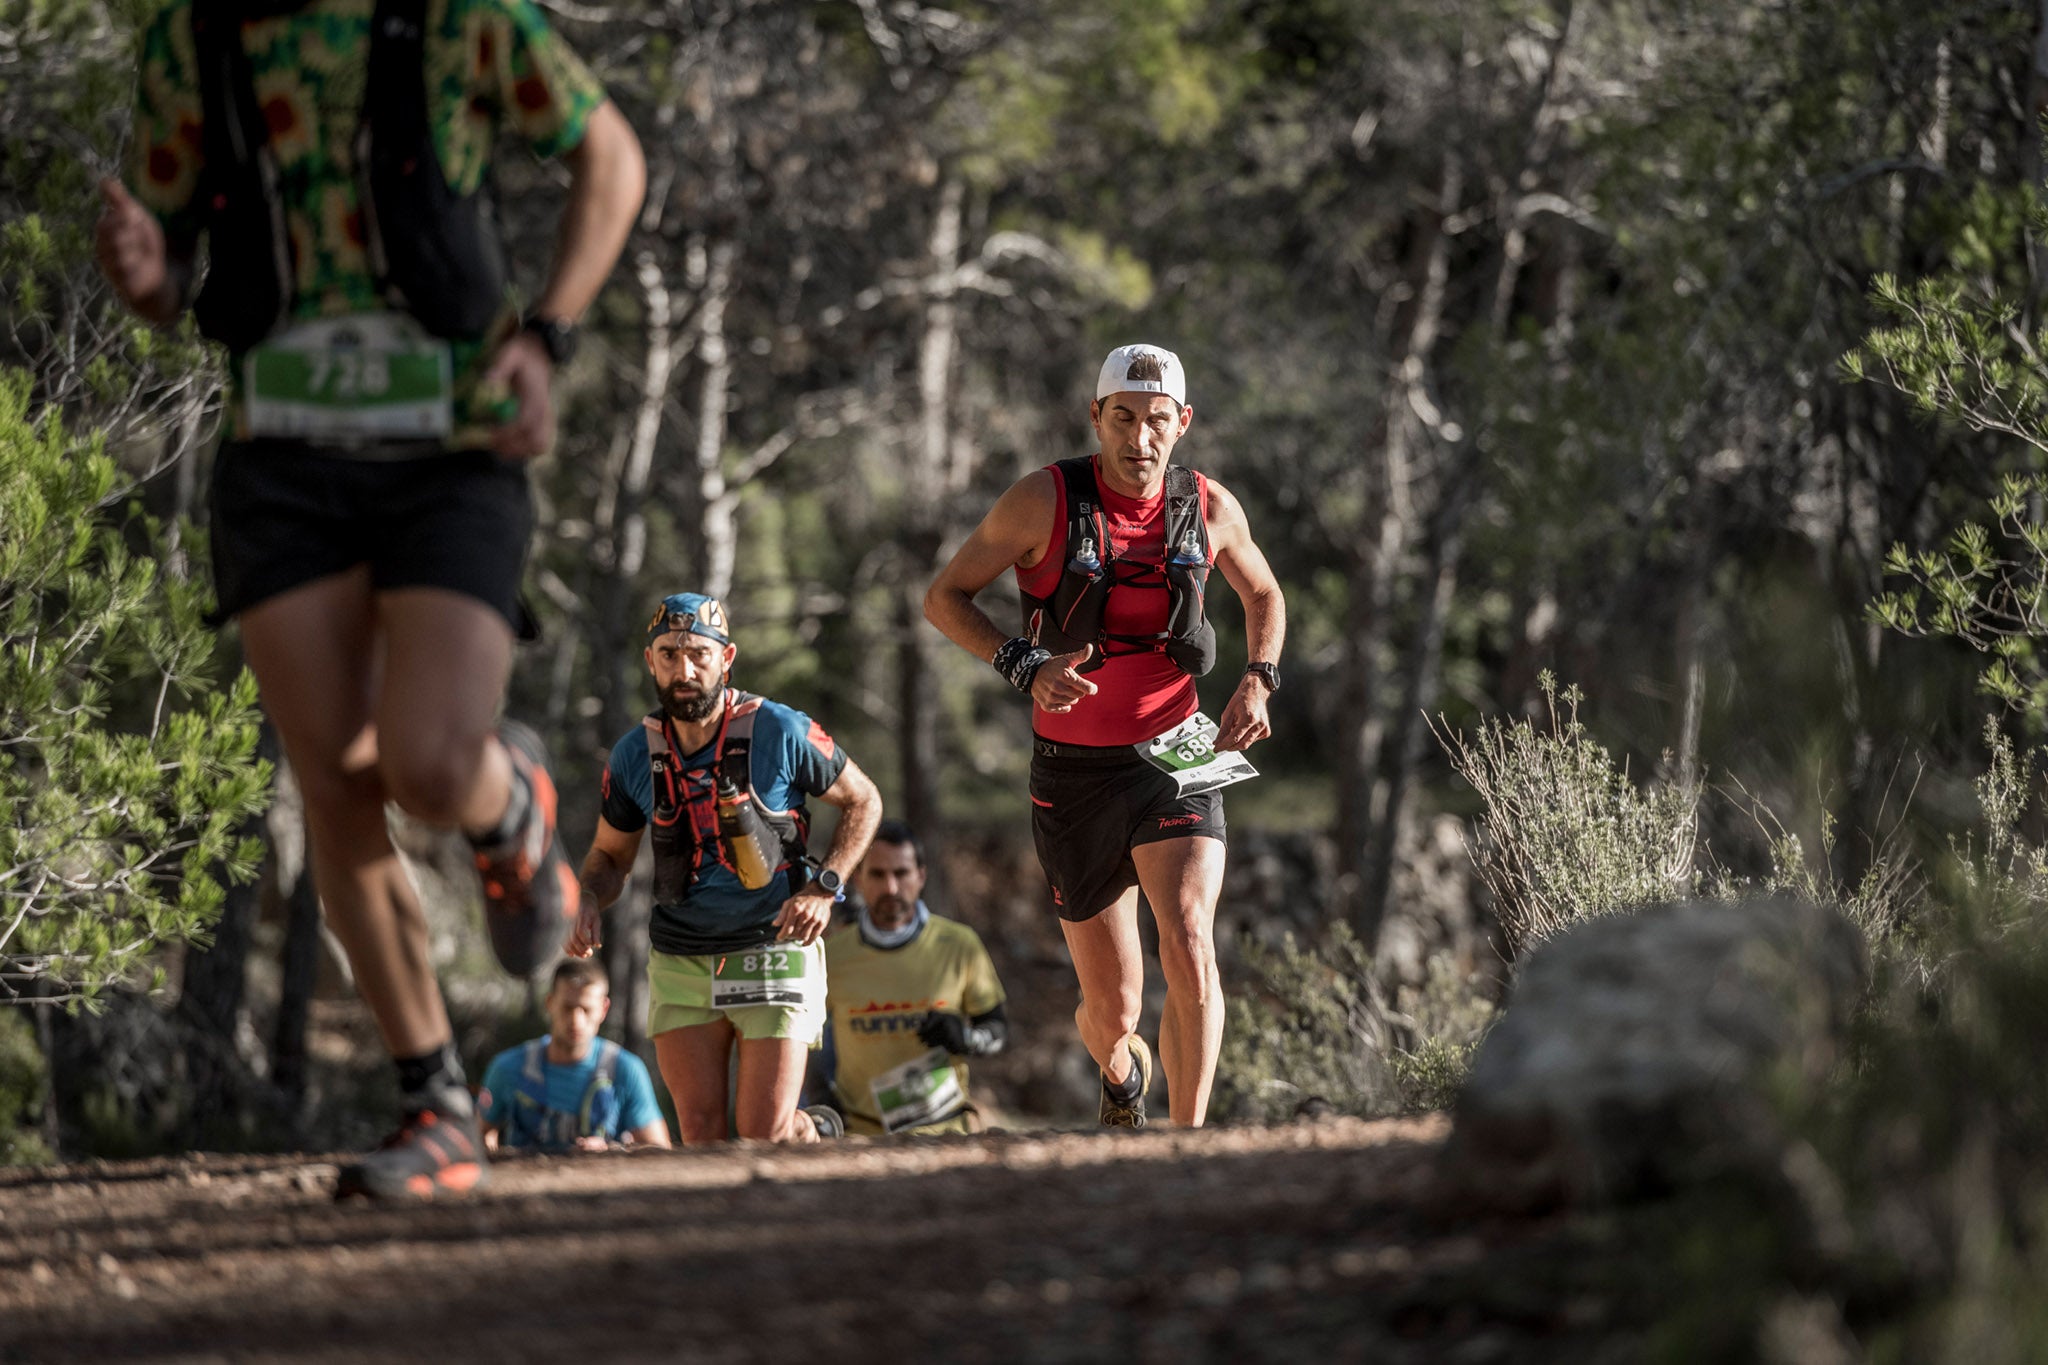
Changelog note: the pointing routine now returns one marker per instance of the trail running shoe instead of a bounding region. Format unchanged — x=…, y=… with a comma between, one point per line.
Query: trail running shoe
x=1119, y=1113
x=530, y=891
x=826, y=1120
x=437, y=1152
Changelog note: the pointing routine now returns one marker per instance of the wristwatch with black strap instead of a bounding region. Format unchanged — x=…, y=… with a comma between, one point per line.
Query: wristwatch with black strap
x=557, y=337
x=1270, y=673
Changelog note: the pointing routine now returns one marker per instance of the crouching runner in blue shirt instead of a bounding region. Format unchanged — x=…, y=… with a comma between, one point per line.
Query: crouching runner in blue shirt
x=720, y=776
x=570, y=1089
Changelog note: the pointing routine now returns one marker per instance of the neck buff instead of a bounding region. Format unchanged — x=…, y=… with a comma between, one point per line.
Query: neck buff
x=892, y=938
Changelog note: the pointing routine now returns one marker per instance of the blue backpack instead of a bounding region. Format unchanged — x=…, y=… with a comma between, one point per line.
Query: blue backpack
x=597, y=1115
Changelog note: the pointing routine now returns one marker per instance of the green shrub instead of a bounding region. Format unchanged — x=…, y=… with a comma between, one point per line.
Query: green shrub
x=1565, y=835
x=24, y=1077
x=1444, y=1020
x=1310, y=1024
x=125, y=773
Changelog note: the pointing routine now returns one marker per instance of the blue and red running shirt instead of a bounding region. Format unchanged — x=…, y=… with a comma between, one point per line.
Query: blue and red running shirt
x=791, y=757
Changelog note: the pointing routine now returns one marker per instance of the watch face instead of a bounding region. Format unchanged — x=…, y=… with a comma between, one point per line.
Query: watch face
x=830, y=880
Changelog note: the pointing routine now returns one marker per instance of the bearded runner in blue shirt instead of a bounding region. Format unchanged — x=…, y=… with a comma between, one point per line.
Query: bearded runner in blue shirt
x=720, y=776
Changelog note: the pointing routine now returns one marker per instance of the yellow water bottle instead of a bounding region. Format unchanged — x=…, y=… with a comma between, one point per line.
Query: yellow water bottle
x=745, y=835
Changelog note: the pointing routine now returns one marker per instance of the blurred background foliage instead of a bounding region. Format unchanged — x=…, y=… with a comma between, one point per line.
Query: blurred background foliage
x=1519, y=327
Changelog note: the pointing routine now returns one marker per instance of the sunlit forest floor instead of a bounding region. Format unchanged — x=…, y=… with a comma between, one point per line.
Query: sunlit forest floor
x=1315, y=1240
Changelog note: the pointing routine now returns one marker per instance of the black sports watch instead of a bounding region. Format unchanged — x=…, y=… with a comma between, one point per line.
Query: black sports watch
x=557, y=337
x=831, y=883
x=1269, y=672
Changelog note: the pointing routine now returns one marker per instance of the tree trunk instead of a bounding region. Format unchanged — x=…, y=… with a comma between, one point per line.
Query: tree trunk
x=932, y=495
x=1360, y=719
x=291, y=880
x=183, y=439
x=1409, y=734
x=717, y=548
x=2031, y=160
x=46, y=1039
x=212, y=998
x=1454, y=480
x=621, y=520
x=626, y=951
x=301, y=972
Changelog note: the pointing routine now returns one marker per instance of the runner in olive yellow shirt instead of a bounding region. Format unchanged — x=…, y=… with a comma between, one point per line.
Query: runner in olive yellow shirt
x=909, y=997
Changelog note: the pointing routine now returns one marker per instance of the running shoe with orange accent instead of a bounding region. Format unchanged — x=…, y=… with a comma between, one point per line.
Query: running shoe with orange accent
x=1118, y=1112
x=530, y=891
x=437, y=1152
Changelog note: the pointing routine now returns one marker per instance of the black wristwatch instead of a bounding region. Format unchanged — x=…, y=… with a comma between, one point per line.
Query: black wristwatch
x=831, y=883
x=1269, y=672
x=557, y=337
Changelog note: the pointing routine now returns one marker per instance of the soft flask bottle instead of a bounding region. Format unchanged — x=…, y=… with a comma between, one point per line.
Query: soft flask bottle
x=745, y=835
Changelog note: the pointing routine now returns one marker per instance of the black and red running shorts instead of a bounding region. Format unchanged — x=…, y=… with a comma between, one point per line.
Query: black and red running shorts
x=1091, y=806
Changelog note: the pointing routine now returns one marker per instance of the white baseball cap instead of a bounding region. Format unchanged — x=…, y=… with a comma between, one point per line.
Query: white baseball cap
x=1116, y=373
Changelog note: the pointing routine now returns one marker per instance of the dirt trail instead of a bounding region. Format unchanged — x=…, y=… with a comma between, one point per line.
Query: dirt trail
x=1309, y=1241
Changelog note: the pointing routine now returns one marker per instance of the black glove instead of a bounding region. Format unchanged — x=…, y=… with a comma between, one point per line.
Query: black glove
x=956, y=1035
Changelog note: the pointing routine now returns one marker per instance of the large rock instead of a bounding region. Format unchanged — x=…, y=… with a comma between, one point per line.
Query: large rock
x=1643, y=1050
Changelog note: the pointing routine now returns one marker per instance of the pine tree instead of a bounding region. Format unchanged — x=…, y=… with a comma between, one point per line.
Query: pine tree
x=126, y=770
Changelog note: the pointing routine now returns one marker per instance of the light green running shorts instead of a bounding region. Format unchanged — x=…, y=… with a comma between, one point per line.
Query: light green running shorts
x=776, y=991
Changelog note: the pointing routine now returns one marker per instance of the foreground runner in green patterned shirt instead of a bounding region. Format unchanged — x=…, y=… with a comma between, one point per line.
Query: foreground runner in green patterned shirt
x=370, y=507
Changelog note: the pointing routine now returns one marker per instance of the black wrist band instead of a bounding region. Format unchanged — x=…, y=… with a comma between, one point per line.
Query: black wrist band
x=1018, y=661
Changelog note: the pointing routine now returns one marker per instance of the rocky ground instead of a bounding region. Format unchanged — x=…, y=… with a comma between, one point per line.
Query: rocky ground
x=1317, y=1240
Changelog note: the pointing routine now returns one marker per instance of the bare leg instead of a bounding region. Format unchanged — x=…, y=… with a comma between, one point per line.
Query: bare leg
x=693, y=1065
x=446, y=659
x=1110, y=963
x=315, y=654
x=771, y=1079
x=1182, y=878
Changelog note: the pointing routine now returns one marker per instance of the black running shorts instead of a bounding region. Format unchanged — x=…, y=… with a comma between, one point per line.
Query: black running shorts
x=284, y=514
x=1090, y=807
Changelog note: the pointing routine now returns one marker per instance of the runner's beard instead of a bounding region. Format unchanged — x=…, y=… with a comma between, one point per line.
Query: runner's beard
x=891, y=912
x=685, y=705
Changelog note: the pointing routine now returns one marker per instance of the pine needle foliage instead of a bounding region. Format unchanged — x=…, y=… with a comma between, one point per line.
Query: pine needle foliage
x=1962, y=345
x=125, y=771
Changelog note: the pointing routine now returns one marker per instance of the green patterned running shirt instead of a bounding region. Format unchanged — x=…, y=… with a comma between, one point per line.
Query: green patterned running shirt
x=490, y=64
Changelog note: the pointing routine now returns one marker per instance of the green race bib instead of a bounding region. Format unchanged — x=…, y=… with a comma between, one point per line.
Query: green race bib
x=377, y=376
x=773, y=975
x=923, y=1090
x=1188, y=752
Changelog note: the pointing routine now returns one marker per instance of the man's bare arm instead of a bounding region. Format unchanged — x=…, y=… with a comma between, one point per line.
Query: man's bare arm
x=605, y=869
x=607, y=181
x=1244, y=567
x=607, y=184
x=1011, y=535
x=805, y=916
x=860, y=814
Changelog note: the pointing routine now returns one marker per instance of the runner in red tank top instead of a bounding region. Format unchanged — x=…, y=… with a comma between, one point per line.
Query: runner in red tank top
x=1114, y=641
x=1151, y=694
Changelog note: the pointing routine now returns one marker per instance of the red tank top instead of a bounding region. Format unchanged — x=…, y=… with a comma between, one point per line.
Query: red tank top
x=1140, y=694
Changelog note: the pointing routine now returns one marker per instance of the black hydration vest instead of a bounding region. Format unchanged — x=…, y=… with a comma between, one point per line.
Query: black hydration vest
x=685, y=820
x=1073, y=616
x=435, y=254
